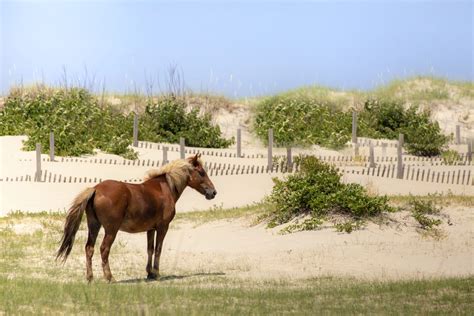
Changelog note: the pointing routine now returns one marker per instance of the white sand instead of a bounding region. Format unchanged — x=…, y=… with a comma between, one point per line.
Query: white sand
x=237, y=250
x=233, y=248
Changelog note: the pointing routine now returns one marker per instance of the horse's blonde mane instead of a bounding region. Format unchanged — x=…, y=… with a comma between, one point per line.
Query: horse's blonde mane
x=176, y=172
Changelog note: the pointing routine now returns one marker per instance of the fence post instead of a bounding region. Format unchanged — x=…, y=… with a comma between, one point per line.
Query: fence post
x=289, y=159
x=356, y=149
x=135, y=130
x=371, y=156
x=270, y=149
x=165, y=155
x=38, y=163
x=239, y=144
x=400, y=157
x=181, y=147
x=469, y=150
x=354, y=127
x=458, y=134
x=51, y=146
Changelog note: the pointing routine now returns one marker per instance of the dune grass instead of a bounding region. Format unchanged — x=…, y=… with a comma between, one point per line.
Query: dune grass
x=412, y=90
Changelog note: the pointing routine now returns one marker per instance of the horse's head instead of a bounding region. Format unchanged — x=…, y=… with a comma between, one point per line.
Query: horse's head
x=199, y=180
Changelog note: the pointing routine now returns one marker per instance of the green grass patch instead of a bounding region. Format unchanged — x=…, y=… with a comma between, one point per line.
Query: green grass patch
x=223, y=296
x=219, y=213
x=438, y=199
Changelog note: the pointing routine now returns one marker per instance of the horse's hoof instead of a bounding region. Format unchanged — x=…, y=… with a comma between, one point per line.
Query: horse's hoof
x=152, y=276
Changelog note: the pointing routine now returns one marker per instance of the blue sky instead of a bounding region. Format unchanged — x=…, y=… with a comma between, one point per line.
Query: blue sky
x=237, y=48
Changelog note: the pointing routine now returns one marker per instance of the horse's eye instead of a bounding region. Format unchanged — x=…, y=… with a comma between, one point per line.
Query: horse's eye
x=202, y=173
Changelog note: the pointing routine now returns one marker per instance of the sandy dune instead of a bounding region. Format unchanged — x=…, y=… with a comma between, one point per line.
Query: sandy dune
x=235, y=248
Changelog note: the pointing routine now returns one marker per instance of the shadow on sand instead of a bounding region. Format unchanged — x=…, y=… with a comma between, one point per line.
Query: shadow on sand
x=170, y=277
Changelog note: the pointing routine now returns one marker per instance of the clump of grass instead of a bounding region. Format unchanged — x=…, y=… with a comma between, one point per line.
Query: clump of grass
x=450, y=157
x=438, y=199
x=348, y=226
x=423, y=212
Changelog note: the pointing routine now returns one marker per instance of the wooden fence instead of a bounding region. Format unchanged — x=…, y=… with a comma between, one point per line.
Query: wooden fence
x=410, y=173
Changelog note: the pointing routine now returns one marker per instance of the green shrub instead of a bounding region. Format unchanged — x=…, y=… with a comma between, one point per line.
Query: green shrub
x=301, y=121
x=79, y=124
x=167, y=120
x=422, y=136
x=389, y=118
x=381, y=119
x=317, y=191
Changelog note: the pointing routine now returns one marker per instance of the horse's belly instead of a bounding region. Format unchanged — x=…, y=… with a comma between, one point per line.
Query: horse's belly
x=131, y=226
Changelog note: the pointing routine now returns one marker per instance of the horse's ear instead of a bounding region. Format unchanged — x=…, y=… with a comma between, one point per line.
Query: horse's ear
x=194, y=160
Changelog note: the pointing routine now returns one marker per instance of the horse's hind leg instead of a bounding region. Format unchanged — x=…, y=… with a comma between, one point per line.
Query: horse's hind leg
x=150, y=249
x=104, y=253
x=94, y=227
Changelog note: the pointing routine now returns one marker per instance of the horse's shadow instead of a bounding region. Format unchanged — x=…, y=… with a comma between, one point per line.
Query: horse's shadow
x=170, y=277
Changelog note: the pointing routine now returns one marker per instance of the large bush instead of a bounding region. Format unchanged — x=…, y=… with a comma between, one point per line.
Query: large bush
x=389, y=118
x=317, y=191
x=79, y=124
x=301, y=121
x=168, y=119
x=382, y=119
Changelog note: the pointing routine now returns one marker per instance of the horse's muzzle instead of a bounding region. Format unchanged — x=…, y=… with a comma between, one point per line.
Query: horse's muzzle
x=210, y=194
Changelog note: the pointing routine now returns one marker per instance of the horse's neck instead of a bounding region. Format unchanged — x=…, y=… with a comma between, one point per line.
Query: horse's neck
x=173, y=189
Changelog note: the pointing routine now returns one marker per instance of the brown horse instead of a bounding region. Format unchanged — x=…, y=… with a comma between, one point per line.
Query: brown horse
x=133, y=208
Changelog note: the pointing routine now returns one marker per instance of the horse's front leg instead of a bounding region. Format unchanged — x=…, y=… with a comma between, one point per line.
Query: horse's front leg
x=160, y=236
x=150, y=249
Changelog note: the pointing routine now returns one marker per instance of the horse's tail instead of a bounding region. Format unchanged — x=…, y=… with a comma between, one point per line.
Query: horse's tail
x=73, y=221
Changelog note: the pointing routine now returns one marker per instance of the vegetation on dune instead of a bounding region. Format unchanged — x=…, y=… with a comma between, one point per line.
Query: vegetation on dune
x=317, y=192
x=424, y=211
x=168, y=119
x=302, y=121
x=413, y=90
x=389, y=118
x=81, y=123
x=298, y=120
